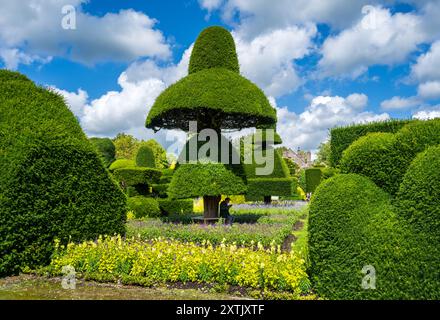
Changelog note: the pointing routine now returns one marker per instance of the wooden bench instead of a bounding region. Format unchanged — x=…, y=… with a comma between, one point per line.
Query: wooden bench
x=205, y=220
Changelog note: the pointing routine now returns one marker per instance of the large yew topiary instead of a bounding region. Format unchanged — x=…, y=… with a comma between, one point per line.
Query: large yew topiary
x=215, y=96
x=145, y=157
x=52, y=182
x=353, y=227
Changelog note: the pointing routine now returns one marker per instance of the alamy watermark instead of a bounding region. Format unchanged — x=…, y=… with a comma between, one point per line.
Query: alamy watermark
x=369, y=280
x=69, y=279
x=68, y=21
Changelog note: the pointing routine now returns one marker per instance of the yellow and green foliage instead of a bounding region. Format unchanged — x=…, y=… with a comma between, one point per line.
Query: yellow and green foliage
x=160, y=261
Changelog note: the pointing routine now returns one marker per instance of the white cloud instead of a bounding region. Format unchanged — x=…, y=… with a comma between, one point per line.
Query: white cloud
x=396, y=103
x=431, y=113
x=268, y=59
x=32, y=29
x=429, y=90
x=309, y=128
x=260, y=16
x=380, y=38
x=126, y=110
x=427, y=66
x=75, y=101
x=210, y=5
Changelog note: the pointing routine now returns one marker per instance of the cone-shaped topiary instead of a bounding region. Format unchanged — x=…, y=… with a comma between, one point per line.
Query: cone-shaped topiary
x=52, y=182
x=145, y=157
x=217, y=97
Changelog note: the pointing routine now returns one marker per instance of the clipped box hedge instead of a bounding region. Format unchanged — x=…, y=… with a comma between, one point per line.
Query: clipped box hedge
x=342, y=137
x=137, y=175
x=144, y=207
x=176, y=206
x=52, y=181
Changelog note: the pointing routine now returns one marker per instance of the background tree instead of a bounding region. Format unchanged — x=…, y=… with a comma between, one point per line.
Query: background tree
x=323, y=155
x=216, y=96
x=126, y=146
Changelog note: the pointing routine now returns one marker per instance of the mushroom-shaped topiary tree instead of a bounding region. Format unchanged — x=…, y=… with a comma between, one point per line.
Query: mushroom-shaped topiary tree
x=215, y=96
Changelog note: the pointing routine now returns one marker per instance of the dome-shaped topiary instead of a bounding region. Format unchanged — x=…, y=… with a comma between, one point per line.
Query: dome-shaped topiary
x=52, y=181
x=145, y=157
x=374, y=156
x=214, y=48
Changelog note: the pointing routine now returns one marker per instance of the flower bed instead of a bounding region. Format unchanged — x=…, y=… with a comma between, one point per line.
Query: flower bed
x=160, y=261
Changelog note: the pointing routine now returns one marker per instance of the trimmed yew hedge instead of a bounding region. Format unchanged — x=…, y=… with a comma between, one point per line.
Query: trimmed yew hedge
x=341, y=138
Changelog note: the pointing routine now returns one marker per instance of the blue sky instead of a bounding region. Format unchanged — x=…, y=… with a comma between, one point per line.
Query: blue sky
x=321, y=63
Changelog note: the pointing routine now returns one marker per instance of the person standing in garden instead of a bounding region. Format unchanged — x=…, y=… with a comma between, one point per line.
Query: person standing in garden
x=224, y=211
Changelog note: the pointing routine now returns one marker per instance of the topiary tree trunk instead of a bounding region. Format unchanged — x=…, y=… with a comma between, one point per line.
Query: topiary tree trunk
x=267, y=199
x=210, y=205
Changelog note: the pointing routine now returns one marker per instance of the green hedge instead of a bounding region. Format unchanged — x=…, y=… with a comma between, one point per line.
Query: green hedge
x=210, y=179
x=52, y=181
x=313, y=179
x=214, y=48
x=374, y=156
x=144, y=207
x=342, y=137
x=145, y=157
x=122, y=163
x=351, y=225
x=182, y=206
x=258, y=188
x=137, y=175
x=105, y=148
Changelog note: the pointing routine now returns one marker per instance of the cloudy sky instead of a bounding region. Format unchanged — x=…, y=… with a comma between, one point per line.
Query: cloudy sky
x=321, y=63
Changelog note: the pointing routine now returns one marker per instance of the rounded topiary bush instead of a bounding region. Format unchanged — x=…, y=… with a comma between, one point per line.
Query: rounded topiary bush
x=144, y=207
x=352, y=225
x=145, y=157
x=52, y=182
x=122, y=163
x=374, y=156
